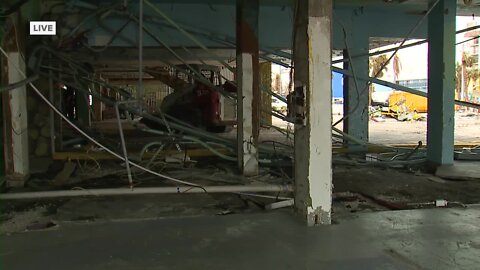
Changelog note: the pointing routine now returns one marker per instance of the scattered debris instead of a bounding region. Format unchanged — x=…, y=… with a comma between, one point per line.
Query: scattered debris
x=225, y=212
x=177, y=158
x=281, y=204
x=468, y=154
x=441, y=203
x=378, y=119
x=41, y=226
x=64, y=175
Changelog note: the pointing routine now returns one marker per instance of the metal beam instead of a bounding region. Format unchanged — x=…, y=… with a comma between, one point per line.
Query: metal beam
x=401, y=87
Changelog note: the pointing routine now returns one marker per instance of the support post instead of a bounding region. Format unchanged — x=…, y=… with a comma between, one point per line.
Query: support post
x=441, y=83
x=124, y=146
x=16, y=123
x=14, y=107
x=266, y=83
x=356, y=95
x=313, y=140
x=248, y=103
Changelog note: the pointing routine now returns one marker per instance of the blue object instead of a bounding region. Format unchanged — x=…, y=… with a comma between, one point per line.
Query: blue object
x=337, y=85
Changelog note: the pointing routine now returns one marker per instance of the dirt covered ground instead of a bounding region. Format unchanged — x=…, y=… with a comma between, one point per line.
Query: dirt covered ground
x=356, y=188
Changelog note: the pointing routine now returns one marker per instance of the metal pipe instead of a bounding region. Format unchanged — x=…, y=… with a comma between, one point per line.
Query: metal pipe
x=18, y=84
x=271, y=93
x=401, y=47
x=145, y=190
x=57, y=111
x=176, y=125
x=401, y=87
x=124, y=147
x=199, y=76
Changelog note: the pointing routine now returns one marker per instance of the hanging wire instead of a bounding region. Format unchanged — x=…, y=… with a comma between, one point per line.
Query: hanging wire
x=178, y=181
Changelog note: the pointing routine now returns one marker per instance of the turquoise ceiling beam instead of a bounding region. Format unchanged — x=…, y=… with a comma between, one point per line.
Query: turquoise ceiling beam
x=218, y=23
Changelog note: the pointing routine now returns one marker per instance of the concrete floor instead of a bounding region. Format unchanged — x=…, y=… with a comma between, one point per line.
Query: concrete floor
x=411, y=239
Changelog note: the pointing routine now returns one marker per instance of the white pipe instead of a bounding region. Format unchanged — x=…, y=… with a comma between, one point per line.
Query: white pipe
x=144, y=190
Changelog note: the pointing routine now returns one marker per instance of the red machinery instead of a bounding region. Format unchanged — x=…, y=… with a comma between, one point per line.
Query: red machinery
x=195, y=101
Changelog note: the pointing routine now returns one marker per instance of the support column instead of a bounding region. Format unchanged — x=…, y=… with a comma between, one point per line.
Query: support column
x=16, y=124
x=355, y=106
x=313, y=139
x=441, y=83
x=14, y=103
x=266, y=83
x=248, y=103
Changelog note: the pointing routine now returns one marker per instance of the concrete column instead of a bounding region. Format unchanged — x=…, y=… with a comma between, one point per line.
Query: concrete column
x=266, y=83
x=248, y=103
x=441, y=83
x=313, y=139
x=16, y=128
x=355, y=106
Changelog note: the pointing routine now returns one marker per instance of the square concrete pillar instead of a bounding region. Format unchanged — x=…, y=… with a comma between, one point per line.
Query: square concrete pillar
x=441, y=83
x=248, y=81
x=356, y=92
x=15, y=123
x=313, y=138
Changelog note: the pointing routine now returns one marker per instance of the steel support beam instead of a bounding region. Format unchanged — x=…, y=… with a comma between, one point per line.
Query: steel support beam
x=248, y=103
x=441, y=83
x=313, y=76
x=403, y=88
x=355, y=90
